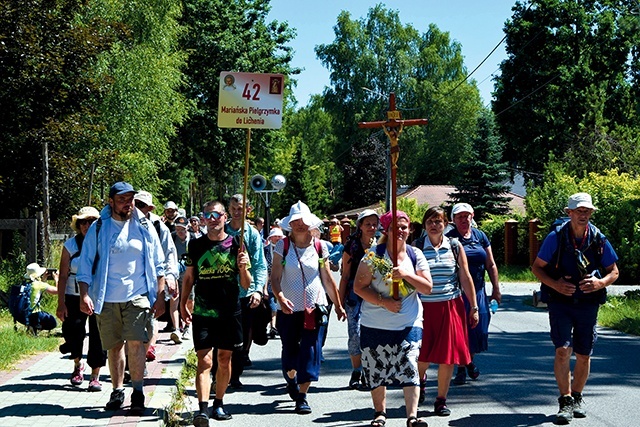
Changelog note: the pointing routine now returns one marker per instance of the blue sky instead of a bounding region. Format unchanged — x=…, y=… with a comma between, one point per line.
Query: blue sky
x=476, y=24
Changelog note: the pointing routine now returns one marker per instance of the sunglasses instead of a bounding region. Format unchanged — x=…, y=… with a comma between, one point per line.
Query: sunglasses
x=80, y=222
x=213, y=214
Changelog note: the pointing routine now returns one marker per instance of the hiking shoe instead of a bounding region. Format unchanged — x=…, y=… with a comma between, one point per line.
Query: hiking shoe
x=94, y=385
x=220, y=414
x=115, y=400
x=201, y=419
x=354, y=382
x=423, y=392
x=461, y=376
x=126, y=379
x=137, y=402
x=151, y=353
x=578, y=405
x=186, y=333
x=302, y=406
x=77, y=376
x=175, y=338
x=168, y=328
x=440, y=407
x=235, y=384
x=565, y=414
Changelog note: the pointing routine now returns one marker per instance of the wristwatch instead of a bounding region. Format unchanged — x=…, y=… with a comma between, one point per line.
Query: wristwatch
x=476, y=309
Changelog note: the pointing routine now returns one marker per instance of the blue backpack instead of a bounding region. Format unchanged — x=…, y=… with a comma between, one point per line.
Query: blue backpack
x=25, y=313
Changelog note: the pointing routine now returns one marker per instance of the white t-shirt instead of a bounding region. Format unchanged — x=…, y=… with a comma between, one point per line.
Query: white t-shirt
x=375, y=316
x=72, y=284
x=308, y=292
x=125, y=278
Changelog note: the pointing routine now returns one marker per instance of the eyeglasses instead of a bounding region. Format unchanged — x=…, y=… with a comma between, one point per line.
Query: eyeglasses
x=80, y=222
x=213, y=214
x=434, y=222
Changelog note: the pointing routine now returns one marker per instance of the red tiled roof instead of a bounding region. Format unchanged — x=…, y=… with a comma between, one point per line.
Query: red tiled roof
x=432, y=195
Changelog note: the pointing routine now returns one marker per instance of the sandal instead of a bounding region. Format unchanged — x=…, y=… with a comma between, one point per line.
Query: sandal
x=378, y=421
x=416, y=422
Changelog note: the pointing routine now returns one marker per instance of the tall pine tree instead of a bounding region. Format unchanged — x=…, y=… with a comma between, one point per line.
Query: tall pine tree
x=482, y=176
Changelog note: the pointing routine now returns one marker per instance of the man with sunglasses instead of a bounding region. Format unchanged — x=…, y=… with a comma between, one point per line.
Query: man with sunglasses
x=575, y=264
x=214, y=264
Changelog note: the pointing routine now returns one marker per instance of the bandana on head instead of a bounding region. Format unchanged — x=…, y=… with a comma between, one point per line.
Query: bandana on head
x=385, y=220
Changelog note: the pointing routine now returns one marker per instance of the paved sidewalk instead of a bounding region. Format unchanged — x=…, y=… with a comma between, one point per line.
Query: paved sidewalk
x=37, y=392
x=516, y=386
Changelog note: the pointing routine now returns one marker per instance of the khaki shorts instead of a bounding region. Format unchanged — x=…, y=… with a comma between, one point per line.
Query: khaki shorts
x=124, y=321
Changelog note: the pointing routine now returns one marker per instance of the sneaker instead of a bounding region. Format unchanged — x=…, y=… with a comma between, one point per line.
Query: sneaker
x=175, y=338
x=473, y=371
x=126, y=379
x=77, y=376
x=565, y=414
x=94, y=385
x=235, y=384
x=461, y=376
x=115, y=400
x=302, y=406
x=440, y=407
x=201, y=419
x=137, y=402
x=578, y=405
x=423, y=392
x=151, y=353
x=220, y=414
x=354, y=382
x=168, y=328
x=186, y=333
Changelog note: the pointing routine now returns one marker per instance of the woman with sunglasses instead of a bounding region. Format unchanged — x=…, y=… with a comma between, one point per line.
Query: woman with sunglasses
x=73, y=320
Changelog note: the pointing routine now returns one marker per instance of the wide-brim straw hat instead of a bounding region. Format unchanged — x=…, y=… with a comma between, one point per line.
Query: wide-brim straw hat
x=84, y=213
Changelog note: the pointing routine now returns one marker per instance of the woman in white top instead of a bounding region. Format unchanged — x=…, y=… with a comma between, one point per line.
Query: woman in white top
x=74, y=321
x=390, y=329
x=300, y=277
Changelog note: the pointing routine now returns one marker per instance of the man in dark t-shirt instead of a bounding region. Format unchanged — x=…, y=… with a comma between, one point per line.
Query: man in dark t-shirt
x=214, y=266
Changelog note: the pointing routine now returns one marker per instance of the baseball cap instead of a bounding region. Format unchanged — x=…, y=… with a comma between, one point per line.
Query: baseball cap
x=181, y=222
x=461, y=207
x=120, y=187
x=145, y=197
x=170, y=205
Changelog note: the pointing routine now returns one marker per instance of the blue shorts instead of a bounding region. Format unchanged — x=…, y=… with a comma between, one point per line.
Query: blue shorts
x=574, y=325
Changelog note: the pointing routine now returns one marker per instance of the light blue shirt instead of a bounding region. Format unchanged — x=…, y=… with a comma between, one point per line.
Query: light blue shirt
x=258, y=270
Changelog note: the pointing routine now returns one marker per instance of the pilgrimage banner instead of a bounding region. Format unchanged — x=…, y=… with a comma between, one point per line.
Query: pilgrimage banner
x=250, y=100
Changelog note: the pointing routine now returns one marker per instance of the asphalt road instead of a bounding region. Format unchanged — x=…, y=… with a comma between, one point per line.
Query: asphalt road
x=516, y=386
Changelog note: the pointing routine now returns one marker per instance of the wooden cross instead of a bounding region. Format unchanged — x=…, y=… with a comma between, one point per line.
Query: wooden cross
x=393, y=127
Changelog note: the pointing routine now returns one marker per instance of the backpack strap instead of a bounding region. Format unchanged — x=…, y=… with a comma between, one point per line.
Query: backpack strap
x=285, y=250
x=79, y=238
x=97, y=257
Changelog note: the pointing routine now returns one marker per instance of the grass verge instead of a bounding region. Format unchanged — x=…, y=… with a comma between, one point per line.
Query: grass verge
x=515, y=273
x=622, y=313
x=16, y=345
x=178, y=405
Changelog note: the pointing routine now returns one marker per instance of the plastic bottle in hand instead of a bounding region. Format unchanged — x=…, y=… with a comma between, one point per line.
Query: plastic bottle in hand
x=493, y=305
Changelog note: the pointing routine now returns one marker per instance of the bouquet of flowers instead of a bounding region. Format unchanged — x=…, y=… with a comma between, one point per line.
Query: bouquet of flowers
x=385, y=268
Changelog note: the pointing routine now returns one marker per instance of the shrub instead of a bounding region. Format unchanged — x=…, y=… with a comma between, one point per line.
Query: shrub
x=617, y=197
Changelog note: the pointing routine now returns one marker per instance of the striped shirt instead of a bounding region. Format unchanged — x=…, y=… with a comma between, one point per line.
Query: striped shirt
x=444, y=271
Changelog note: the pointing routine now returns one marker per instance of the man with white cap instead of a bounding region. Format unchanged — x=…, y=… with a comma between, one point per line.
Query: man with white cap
x=575, y=264
x=170, y=215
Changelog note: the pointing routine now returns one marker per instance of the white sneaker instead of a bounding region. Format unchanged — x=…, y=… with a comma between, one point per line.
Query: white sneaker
x=176, y=338
x=186, y=334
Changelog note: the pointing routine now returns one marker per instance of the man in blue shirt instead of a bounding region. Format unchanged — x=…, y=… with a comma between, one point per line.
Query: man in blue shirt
x=121, y=278
x=575, y=264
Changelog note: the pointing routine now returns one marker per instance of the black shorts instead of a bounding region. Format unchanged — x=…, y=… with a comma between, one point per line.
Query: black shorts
x=220, y=333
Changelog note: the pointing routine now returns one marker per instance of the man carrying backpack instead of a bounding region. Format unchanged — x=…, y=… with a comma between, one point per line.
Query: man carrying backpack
x=575, y=264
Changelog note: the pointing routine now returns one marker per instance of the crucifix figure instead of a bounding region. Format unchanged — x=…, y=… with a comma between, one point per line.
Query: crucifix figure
x=393, y=127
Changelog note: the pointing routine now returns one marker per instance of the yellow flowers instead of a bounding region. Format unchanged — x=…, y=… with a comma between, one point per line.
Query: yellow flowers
x=382, y=265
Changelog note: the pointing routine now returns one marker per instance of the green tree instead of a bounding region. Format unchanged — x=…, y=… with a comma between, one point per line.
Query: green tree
x=570, y=86
x=377, y=55
x=482, y=176
x=225, y=35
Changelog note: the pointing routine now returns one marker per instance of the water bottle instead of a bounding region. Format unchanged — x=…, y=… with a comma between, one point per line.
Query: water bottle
x=493, y=305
